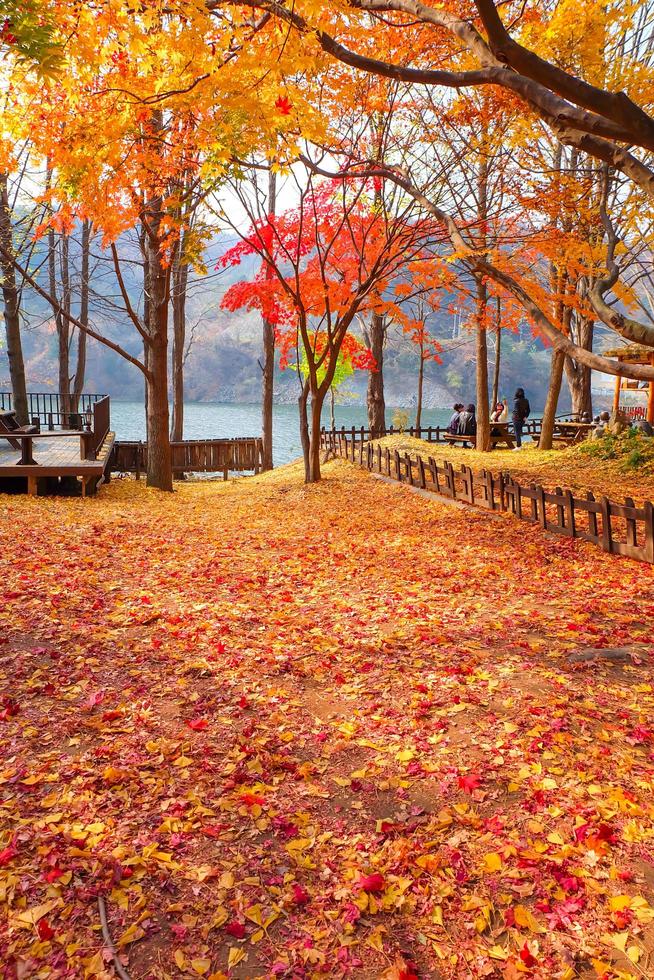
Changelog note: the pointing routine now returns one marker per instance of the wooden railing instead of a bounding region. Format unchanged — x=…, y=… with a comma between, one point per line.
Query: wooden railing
x=46, y=407
x=194, y=456
x=621, y=529
x=94, y=437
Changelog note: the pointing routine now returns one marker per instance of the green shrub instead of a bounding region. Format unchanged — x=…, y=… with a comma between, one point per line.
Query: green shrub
x=631, y=450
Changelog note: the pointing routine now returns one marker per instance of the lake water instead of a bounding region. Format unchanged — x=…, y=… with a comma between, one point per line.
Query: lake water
x=216, y=420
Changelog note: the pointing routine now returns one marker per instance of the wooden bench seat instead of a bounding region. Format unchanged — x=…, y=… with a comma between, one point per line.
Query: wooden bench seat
x=9, y=424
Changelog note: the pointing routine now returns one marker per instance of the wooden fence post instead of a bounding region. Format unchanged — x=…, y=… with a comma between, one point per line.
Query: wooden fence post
x=592, y=516
x=560, y=510
x=408, y=465
x=379, y=456
x=605, y=510
x=421, y=473
x=569, y=504
x=631, y=524
x=387, y=458
x=541, y=511
x=648, y=541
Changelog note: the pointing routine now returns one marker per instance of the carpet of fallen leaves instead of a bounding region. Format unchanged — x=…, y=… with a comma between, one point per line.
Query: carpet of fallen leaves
x=571, y=469
x=296, y=732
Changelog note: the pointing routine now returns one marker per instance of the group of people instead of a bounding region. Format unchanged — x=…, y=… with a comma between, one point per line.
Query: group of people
x=464, y=418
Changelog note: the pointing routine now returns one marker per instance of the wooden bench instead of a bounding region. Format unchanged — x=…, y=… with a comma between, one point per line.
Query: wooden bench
x=9, y=428
x=500, y=434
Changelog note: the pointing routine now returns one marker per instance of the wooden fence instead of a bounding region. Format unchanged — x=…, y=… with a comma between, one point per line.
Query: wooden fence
x=194, y=456
x=435, y=433
x=621, y=529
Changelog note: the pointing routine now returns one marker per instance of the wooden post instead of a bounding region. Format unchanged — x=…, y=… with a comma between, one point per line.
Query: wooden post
x=542, y=513
x=421, y=473
x=560, y=512
x=631, y=524
x=534, y=504
x=433, y=470
x=32, y=486
x=569, y=504
x=398, y=473
x=387, y=458
x=592, y=516
x=650, y=397
x=379, y=456
x=616, y=394
x=605, y=510
x=648, y=542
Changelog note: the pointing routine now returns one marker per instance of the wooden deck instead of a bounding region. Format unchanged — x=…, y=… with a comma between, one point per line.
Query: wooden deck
x=54, y=458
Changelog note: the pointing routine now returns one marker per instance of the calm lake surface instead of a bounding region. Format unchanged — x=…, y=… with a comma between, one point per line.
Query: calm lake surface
x=216, y=420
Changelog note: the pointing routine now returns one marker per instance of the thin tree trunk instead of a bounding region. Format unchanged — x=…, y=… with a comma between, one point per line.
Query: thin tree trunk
x=483, y=415
x=498, y=352
x=305, y=439
x=62, y=325
x=80, y=367
x=268, y=366
x=180, y=283
x=552, y=400
x=332, y=407
x=375, y=397
x=159, y=454
x=421, y=375
x=11, y=311
x=317, y=400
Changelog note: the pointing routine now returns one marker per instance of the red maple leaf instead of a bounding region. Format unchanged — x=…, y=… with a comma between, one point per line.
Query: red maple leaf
x=372, y=883
x=198, y=724
x=44, y=930
x=7, y=855
x=469, y=783
x=235, y=929
x=526, y=956
x=284, y=105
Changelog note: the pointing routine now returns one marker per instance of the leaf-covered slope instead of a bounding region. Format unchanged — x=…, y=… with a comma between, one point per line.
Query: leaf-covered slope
x=319, y=731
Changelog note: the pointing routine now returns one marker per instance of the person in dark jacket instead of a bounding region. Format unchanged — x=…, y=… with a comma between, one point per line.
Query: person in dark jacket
x=521, y=410
x=467, y=425
x=452, y=425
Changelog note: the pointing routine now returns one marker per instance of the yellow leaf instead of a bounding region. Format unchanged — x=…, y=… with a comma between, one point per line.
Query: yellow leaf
x=634, y=953
x=526, y=920
x=619, y=902
x=254, y=914
x=180, y=959
x=201, y=965
x=405, y=755
x=492, y=862
x=130, y=935
x=235, y=956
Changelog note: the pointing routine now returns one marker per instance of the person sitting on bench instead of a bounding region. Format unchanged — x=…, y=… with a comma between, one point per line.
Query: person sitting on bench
x=467, y=424
x=452, y=425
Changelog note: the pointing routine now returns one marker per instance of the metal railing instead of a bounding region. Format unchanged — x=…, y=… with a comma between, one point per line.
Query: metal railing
x=46, y=408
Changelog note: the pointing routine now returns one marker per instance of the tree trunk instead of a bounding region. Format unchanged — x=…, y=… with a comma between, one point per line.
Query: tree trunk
x=62, y=324
x=317, y=400
x=305, y=440
x=421, y=375
x=498, y=351
x=332, y=404
x=12, y=311
x=552, y=400
x=375, y=397
x=268, y=366
x=80, y=368
x=180, y=282
x=159, y=455
x=483, y=415
x=578, y=375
